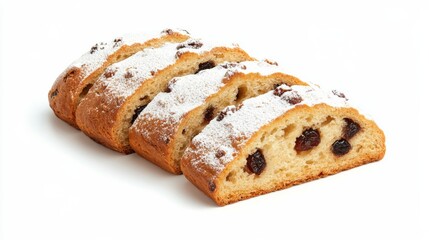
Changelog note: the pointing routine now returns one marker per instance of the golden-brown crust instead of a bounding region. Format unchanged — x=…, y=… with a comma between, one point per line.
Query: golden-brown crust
x=156, y=151
x=159, y=150
x=208, y=180
x=100, y=115
x=61, y=96
x=65, y=94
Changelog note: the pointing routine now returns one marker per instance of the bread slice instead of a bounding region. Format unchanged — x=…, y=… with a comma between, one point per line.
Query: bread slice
x=166, y=126
x=73, y=84
x=125, y=88
x=285, y=137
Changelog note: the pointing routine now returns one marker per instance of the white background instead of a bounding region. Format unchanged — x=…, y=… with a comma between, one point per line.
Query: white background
x=55, y=183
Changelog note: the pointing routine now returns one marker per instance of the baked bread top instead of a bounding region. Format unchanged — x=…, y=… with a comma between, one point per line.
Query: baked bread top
x=188, y=92
x=166, y=126
x=100, y=52
x=73, y=84
x=234, y=126
x=125, y=88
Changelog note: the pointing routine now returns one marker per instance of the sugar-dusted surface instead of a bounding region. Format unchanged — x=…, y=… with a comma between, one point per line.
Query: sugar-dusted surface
x=129, y=74
x=240, y=124
x=99, y=52
x=189, y=92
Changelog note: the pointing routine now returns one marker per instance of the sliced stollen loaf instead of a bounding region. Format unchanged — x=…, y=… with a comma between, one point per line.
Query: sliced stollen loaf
x=73, y=84
x=125, y=88
x=166, y=126
x=285, y=137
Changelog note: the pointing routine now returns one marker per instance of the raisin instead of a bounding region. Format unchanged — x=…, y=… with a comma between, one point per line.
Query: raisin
x=341, y=147
x=221, y=116
x=192, y=44
x=350, y=129
x=54, y=93
x=117, y=42
x=109, y=73
x=167, y=31
x=170, y=85
x=212, y=186
x=128, y=75
x=293, y=98
x=152, y=72
x=229, y=65
x=309, y=139
x=279, y=91
x=209, y=114
x=205, y=65
x=137, y=111
x=94, y=48
x=256, y=162
x=220, y=153
x=225, y=112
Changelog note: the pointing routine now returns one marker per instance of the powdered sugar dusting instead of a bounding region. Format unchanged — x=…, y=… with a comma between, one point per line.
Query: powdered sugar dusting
x=189, y=92
x=130, y=73
x=229, y=134
x=99, y=52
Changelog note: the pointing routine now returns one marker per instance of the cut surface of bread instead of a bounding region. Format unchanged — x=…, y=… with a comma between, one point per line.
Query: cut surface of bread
x=166, y=126
x=279, y=139
x=74, y=83
x=125, y=88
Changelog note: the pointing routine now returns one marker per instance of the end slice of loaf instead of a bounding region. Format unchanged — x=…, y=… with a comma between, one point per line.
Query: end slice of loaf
x=167, y=125
x=126, y=88
x=285, y=137
x=74, y=83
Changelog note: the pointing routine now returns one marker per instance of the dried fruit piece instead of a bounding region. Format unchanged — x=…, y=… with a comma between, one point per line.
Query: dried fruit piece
x=279, y=91
x=229, y=65
x=128, y=75
x=220, y=153
x=350, y=129
x=117, y=42
x=167, y=31
x=109, y=73
x=256, y=162
x=225, y=112
x=212, y=186
x=293, y=98
x=205, y=65
x=94, y=48
x=341, y=147
x=209, y=114
x=192, y=44
x=137, y=112
x=309, y=139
